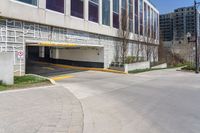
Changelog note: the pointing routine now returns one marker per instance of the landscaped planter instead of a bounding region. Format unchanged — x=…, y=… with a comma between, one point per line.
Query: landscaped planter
x=136, y=66
x=161, y=66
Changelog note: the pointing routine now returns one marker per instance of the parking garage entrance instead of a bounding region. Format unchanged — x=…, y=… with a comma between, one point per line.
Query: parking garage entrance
x=42, y=57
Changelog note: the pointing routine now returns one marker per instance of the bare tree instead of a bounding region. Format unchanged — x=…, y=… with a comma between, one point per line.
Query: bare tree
x=139, y=48
x=162, y=52
x=124, y=34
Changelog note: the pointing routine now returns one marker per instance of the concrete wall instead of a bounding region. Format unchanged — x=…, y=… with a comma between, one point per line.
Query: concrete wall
x=135, y=66
x=80, y=54
x=39, y=14
x=164, y=65
x=22, y=33
x=6, y=68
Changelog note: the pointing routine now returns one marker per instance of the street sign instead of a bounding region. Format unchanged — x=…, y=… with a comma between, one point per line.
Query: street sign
x=20, y=54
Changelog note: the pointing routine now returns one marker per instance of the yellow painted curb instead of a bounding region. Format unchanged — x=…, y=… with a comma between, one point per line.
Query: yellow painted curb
x=62, y=77
x=86, y=68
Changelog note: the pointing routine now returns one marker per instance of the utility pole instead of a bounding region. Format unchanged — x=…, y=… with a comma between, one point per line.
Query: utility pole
x=196, y=37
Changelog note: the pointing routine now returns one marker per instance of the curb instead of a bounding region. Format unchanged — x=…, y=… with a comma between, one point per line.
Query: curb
x=92, y=69
x=85, y=68
x=51, y=80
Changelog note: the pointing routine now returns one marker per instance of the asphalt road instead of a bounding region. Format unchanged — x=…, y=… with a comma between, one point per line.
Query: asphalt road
x=164, y=101
x=47, y=69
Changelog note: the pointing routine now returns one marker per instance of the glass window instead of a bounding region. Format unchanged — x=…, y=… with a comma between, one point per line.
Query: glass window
x=155, y=24
x=141, y=17
x=77, y=8
x=152, y=30
x=32, y=2
x=136, y=17
x=94, y=10
x=124, y=16
x=145, y=19
x=116, y=13
x=149, y=22
x=55, y=5
x=106, y=12
x=131, y=15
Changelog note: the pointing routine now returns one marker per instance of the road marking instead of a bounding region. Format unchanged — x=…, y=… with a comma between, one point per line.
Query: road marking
x=49, y=68
x=62, y=77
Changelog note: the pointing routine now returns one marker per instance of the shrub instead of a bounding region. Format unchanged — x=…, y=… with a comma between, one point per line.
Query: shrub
x=130, y=59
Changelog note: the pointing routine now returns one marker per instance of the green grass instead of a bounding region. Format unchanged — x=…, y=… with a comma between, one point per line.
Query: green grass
x=189, y=68
x=24, y=82
x=145, y=70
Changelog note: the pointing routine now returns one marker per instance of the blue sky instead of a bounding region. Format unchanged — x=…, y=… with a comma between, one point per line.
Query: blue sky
x=166, y=6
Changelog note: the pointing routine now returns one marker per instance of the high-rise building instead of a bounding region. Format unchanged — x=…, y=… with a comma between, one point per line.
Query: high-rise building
x=81, y=32
x=175, y=26
x=166, y=27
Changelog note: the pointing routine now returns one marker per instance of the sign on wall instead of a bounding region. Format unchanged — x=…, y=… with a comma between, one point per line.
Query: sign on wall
x=20, y=54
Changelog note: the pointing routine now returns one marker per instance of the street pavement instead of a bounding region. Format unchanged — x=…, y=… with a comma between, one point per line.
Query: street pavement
x=47, y=69
x=51, y=109
x=164, y=101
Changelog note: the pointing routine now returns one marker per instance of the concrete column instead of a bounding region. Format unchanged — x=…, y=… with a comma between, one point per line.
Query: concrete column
x=100, y=11
x=120, y=12
x=57, y=53
x=67, y=7
x=7, y=68
x=41, y=52
x=42, y=4
x=86, y=2
x=111, y=13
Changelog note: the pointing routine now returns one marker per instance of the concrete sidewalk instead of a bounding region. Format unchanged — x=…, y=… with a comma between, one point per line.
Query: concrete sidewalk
x=164, y=101
x=40, y=110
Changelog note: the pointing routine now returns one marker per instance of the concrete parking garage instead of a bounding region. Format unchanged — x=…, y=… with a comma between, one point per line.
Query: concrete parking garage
x=40, y=55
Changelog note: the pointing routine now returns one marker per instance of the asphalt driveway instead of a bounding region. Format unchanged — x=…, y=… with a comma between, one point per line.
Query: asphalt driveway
x=165, y=101
x=47, y=69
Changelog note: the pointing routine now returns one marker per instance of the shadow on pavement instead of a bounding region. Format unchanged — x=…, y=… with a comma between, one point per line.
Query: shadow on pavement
x=47, y=69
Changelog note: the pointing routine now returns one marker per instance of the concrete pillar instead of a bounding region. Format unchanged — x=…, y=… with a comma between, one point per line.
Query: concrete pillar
x=111, y=13
x=120, y=12
x=42, y=4
x=56, y=54
x=7, y=68
x=100, y=11
x=41, y=52
x=68, y=7
x=86, y=2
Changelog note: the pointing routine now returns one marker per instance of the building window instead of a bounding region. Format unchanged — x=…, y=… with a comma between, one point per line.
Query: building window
x=141, y=17
x=131, y=15
x=77, y=8
x=32, y=2
x=145, y=19
x=136, y=17
x=116, y=13
x=106, y=12
x=157, y=26
x=55, y=5
x=149, y=22
x=94, y=10
x=152, y=23
x=124, y=15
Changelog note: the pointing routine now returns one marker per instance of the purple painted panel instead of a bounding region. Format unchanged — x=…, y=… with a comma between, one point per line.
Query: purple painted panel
x=93, y=12
x=55, y=5
x=77, y=8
